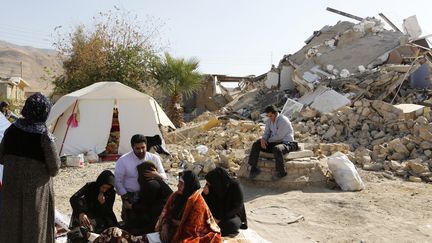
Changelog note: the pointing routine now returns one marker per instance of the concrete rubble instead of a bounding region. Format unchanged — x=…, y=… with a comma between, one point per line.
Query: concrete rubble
x=345, y=91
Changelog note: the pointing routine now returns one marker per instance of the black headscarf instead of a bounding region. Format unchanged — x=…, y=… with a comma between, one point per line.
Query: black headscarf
x=3, y=104
x=225, y=197
x=219, y=180
x=147, y=171
x=191, y=185
x=35, y=112
x=106, y=177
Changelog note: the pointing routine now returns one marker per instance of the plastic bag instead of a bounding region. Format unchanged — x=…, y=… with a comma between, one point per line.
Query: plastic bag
x=91, y=157
x=202, y=149
x=344, y=172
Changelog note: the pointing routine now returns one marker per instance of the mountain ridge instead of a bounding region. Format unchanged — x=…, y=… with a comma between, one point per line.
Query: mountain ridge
x=34, y=62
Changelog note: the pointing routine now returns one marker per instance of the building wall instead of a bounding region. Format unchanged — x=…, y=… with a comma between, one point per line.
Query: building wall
x=286, y=82
x=272, y=79
x=12, y=92
x=20, y=93
x=3, y=90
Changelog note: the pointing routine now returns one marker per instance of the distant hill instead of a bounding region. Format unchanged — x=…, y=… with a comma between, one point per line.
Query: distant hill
x=33, y=62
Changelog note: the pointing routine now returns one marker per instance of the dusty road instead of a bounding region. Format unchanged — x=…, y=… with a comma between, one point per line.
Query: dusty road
x=386, y=211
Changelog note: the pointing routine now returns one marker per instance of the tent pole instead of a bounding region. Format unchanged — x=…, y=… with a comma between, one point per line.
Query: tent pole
x=157, y=112
x=55, y=125
x=67, y=129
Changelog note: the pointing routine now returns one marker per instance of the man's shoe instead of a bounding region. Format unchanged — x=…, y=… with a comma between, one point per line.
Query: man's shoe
x=280, y=175
x=243, y=225
x=254, y=172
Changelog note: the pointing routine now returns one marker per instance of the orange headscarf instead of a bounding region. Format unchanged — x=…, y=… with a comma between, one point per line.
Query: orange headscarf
x=197, y=223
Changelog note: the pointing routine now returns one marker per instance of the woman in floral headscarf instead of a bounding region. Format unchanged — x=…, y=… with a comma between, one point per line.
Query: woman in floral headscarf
x=30, y=160
x=186, y=217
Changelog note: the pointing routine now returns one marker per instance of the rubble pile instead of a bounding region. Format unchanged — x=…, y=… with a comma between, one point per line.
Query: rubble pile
x=233, y=135
x=349, y=89
x=222, y=145
x=381, y=135
x=342, y=50
x=372, y=84
x=250, y=104
x=352, y=61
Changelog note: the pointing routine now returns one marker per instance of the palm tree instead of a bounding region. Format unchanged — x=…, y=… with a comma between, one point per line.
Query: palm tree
x=177, y=77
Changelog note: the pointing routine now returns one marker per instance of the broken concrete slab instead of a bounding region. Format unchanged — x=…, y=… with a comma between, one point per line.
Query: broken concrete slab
x=291, y=107
x=182, y=133
x=398, y=68
x=410, y=111
x=291, y=155
x=308, y=98
x=301, y=174
x=243, y=100
x=326, y=33
x=310, y=77
x=412, y=27
x=361, y=51
x=329, y=101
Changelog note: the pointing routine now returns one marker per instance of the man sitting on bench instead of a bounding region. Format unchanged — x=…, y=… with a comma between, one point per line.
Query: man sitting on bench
x=278, y=139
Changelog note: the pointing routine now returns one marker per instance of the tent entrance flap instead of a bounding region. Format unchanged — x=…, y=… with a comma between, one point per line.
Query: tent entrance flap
x=114, y=136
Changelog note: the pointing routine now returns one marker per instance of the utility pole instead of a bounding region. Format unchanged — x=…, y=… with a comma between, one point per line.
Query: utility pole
x=271, y=58
x=21, y=69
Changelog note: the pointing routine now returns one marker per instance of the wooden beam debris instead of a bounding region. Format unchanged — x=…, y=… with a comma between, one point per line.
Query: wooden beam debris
x=389, y=22
x=344, y=14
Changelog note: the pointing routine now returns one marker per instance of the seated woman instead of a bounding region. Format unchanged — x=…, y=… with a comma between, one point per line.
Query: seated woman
x=153, y=195
x=224, y=196
x=93, y=204
x=186, y=217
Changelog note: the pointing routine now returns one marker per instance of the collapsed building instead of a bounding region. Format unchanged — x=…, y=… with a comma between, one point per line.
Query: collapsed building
x=213, y=95
x=352, y=88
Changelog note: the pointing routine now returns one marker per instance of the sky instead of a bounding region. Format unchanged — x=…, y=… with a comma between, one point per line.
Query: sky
x=232, y=37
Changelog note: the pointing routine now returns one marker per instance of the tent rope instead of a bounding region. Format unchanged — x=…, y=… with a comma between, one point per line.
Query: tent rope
x=67, y=129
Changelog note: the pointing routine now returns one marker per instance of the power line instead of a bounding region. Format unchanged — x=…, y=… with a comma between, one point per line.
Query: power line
x=27, y=42
x=23, y=36
x=26, y=37
x=9, y=28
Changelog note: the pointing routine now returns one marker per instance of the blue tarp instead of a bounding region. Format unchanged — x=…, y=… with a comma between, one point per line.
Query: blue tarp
x=420, y=78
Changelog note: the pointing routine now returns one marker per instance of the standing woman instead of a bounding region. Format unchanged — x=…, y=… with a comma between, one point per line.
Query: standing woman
x=224, y=196
x=30, y=161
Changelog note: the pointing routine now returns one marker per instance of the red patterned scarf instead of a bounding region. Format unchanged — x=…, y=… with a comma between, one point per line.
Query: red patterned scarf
x=197, y=223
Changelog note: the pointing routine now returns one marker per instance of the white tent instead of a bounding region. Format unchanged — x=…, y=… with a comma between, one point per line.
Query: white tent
x=4, y=124
x=137, y=113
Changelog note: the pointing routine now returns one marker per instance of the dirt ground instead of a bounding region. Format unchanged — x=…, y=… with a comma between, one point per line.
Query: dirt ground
x=386, y=211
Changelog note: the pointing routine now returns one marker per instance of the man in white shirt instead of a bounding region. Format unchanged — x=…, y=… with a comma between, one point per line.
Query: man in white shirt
x=126, y=173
